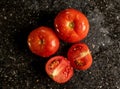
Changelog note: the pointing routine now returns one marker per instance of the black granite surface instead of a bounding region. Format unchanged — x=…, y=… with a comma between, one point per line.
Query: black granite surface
x=20, y=69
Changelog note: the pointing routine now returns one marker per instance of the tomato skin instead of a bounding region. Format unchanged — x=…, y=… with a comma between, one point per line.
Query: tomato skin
x=43, y=41
x=71, y=25
x=59, y=69
x=80, y=57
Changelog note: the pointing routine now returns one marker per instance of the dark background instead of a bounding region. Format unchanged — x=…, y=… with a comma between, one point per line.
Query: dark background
x=20, y=69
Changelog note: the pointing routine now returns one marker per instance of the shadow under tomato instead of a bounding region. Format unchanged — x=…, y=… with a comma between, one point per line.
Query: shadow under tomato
x=39, y=67
x=43, y=18
x=63, y=49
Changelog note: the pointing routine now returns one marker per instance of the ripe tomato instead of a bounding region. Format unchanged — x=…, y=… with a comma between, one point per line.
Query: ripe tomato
x=80, y=56
x=59, y=69
x=43, y=41
x=71, y=25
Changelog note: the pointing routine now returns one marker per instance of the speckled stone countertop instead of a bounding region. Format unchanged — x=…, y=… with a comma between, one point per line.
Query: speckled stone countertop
x=20, y=69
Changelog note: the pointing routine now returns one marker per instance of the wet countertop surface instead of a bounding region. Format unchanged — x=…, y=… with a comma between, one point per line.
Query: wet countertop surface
x=20, y=69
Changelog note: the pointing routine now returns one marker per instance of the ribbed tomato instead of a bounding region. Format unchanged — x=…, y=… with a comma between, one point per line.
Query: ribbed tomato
x=43, y=41
x=71, y=25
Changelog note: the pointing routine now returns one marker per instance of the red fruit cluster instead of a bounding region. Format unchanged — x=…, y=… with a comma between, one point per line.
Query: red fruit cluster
x=71, y=26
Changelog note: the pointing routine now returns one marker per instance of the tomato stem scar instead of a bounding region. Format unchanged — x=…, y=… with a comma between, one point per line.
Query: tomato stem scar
x=71, y=24
x=42, y=41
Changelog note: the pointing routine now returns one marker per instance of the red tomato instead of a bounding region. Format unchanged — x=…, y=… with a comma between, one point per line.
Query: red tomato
x=80, y=56
x=43, y=41
x=71, y=25
x=59, y=69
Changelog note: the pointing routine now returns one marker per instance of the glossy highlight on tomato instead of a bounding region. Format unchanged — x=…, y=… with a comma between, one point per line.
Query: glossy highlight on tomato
x=59, y=69
x=43, y=41
x=71, y=25
x=79, y=56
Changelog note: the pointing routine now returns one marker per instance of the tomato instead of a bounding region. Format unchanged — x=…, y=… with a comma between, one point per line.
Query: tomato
x=80, y=56
x=71, y=25
x=43, y=41
x=59, y=69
